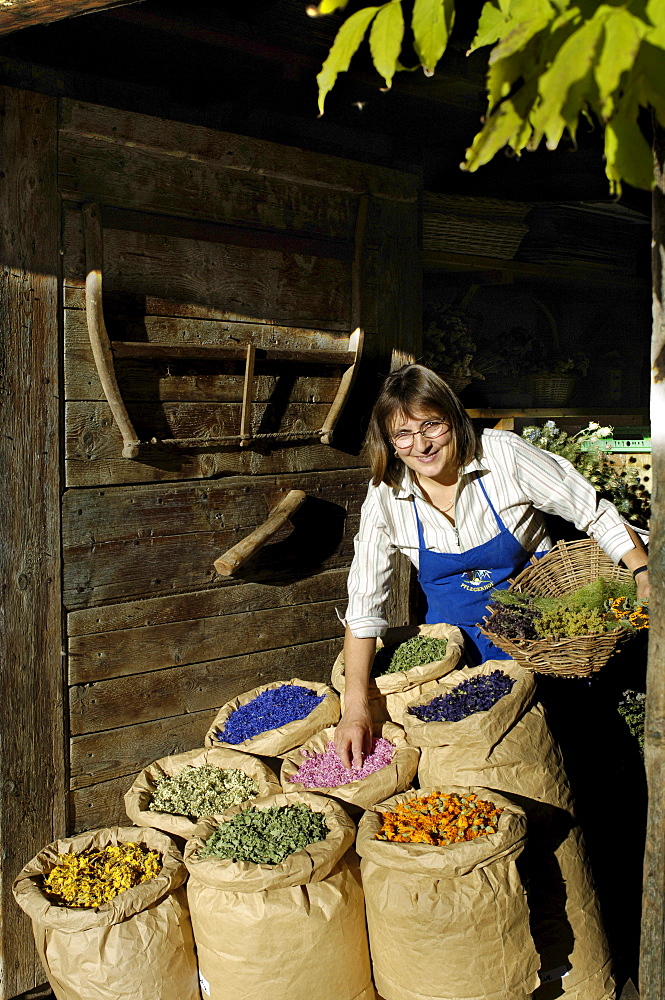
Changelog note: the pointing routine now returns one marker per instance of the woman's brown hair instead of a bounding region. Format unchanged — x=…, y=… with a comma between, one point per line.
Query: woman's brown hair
x=411, y=389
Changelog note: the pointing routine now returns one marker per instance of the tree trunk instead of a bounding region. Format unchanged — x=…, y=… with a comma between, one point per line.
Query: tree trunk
x=652, y=958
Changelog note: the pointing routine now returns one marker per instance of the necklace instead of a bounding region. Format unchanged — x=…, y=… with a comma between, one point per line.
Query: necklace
x=444, y=510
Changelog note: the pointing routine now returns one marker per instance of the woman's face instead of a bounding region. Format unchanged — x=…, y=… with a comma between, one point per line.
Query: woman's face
x=427, y=456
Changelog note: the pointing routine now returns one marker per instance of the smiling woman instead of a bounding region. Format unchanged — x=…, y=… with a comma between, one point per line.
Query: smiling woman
x=468, y=511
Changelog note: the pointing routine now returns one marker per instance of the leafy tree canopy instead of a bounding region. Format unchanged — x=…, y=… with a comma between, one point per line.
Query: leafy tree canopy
x=551, y=61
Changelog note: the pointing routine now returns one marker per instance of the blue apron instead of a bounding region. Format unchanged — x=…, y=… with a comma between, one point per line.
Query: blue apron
x=456, y=584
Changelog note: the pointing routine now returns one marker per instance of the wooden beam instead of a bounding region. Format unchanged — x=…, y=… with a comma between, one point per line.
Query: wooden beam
x=17, y=14
x=32, y=769
x=652, y=958
x=495, y=270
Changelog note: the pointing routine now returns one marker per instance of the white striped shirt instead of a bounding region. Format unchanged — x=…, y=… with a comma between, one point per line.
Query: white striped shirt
x=522, y=481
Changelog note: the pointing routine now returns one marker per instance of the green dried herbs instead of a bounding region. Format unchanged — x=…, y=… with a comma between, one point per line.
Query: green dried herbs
x=414, y=652
x=601, y=606
x=567, y=622
x=591, y=595
x=266, y=836
x=202, y=791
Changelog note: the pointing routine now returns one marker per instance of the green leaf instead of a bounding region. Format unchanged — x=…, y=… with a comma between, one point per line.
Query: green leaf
x=649, y=73
x=385, y=40
x=527, y=18
x=568, y=84
x=621, y=42
x=345, y=46
x=432, y=22
x=491, y=25
x=627, y=153
x=508, y=125
x=329, y=6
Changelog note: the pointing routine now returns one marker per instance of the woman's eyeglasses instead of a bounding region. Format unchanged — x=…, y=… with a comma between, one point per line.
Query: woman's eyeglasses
x=430, y=429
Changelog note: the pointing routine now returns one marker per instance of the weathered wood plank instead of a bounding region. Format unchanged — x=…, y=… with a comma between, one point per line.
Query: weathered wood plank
x=90, y=435
x=134, y=309
x=233, y=599
x=652, y=945
x=138, y=650
x=168, y=465
x=234, y=153
x=127, y=320
x=144, y=565
x=242, y=502
x=17, y=14
x=257, y=237
x=32, y=769
x=124, y=701
x=177, y=382
x=254, y=285
x=103, y=804
x=93, y=444
x=167, y=182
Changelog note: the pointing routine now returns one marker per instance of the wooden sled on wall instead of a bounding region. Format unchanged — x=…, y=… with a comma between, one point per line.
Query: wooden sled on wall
x=106, y=352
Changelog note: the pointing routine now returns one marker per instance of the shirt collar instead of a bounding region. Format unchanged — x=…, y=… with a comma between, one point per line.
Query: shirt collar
x=409, y=487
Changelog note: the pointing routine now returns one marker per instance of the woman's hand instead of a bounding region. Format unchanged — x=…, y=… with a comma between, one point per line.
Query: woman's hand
x=642, y=586
x=353, y=736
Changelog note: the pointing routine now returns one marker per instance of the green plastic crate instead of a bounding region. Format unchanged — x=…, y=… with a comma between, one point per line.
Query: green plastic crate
x=624, y=439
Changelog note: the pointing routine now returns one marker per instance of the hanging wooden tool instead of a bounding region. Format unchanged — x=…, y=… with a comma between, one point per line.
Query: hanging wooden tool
x=105, y=352
x=233, y=559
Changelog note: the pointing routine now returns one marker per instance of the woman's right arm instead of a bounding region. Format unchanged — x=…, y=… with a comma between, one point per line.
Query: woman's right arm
x=353, y=736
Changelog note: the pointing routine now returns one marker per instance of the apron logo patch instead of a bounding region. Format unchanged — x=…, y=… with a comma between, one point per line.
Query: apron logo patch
x=478, y=580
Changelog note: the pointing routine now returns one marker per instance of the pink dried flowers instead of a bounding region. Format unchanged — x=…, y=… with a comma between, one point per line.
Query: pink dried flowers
x=325, y=770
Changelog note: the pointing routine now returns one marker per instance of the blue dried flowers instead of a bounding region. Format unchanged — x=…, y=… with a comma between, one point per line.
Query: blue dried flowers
x=477, y=694
x=269, y=710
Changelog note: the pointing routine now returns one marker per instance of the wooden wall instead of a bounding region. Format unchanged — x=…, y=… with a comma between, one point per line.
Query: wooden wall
x=32, y=721
x=211, y=239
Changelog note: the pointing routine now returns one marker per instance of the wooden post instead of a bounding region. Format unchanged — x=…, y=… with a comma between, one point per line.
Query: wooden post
x=652, y=958
x=32, y=767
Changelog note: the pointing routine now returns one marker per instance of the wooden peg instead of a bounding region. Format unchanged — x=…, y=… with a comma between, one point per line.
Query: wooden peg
x=233, y=559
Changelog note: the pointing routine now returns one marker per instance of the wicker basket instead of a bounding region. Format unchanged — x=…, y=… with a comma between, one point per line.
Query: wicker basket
x=456, y=382
x=551, y=390
x=567, y=567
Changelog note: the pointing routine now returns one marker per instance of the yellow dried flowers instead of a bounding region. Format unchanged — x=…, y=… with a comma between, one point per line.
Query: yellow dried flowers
x=93, y=878
x=440, y=819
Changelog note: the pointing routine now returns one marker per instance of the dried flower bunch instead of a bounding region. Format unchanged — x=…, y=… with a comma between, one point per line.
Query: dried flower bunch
x=416, y=651
x=202, y=791
x=266, y=836
x=440, y=819
x=448, y=345
x=632, y=709
x=476, y=694
x=325, y=770
x=601, y=606
x=621, y=486
x=269, y=710
x=93, y=878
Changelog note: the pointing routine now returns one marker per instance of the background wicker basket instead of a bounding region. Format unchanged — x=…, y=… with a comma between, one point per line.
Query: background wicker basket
x=551, y=390
x=568, y=566
x=456, y=382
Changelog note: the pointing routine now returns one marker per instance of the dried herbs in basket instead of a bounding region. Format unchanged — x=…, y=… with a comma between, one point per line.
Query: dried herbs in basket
x=598, y=607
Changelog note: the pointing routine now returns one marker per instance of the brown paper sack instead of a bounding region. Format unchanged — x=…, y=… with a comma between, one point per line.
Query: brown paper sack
x=292, y=931
x=520, y=759
x=139, y=796
x=448, y=923
x=391, y=693
x=139, y=946
x=395, y=777
x=278, y=741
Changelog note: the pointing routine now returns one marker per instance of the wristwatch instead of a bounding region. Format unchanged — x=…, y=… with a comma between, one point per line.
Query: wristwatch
x=640, y=569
